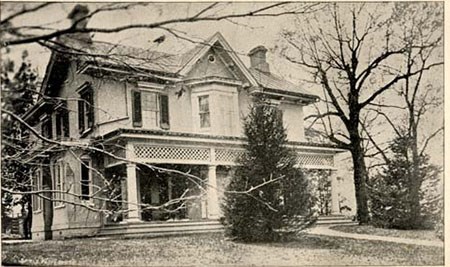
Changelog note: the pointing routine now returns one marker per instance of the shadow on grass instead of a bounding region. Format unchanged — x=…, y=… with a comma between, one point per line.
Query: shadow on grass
x=423, y=234
x=299, y=241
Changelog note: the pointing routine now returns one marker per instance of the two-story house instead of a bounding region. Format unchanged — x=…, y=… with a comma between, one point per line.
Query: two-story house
x=112, y=112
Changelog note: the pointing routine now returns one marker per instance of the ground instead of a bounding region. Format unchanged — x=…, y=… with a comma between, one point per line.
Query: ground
x=213, y=249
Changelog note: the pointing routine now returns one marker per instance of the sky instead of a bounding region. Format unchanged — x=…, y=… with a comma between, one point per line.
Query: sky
x=243, y=34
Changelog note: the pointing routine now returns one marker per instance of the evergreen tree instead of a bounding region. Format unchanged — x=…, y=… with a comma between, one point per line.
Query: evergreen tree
x=18, y=86
x=267, y=192
x=391, y=205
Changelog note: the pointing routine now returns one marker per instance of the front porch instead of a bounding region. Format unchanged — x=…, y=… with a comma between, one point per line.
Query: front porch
x=166, y=192
x=152, y=165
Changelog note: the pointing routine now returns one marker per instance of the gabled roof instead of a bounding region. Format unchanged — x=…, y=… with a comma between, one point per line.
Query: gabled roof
x=179, y=64
x=116, y=54
x=273, y=82
x=202, y=49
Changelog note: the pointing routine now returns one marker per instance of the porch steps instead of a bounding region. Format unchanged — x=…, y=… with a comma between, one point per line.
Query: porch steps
x=334, y=219
x=154, y=229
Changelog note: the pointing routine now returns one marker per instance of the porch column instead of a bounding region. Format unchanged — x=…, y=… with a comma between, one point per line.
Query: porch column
x=132, y=194
x=334, y=193
x=213, y=202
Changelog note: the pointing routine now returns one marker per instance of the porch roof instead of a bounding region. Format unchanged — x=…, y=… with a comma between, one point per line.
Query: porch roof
x=205, y=137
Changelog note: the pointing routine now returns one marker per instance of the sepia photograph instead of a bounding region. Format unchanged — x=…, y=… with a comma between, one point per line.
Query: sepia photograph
x=242, y=133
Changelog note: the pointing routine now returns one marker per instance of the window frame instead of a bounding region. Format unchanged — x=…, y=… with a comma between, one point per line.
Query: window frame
x=146, y=107
x=86, y=163
x=62, y=119
x=58, y=174
x=47, y=126
x=204, y=112
x=140, y=107
x=86, y=114
x=37, y=203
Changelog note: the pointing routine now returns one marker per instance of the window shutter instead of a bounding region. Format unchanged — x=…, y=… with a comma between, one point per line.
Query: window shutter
x=137, y=109
x=164, y=120
x=90, y=107
x=58, y=124
x=50, y=128
x=81, y=115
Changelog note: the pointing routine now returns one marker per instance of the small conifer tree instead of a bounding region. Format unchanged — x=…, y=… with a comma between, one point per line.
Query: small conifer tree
x=267, y=191
x=389, y=191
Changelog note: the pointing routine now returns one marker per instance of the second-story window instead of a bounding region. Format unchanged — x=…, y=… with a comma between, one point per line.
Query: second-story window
x=150, y=109
x=62, y=121
x=203, y=108
x=86, y=109
x=46, y=127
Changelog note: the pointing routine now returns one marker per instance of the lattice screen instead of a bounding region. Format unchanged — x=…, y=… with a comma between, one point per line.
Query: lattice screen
x=228, y=155
x=315, y=160
x=174, y=153
x=222, y=155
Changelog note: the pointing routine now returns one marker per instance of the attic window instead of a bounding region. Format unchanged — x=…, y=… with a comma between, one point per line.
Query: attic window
x=211, y=58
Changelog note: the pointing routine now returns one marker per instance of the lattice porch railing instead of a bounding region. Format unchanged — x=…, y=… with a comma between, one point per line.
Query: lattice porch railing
x=172, y=153
x=215, y=155
x=315, y=160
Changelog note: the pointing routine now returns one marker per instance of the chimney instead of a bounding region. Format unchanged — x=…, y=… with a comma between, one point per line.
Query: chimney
x=78, y=17
x=258, y=59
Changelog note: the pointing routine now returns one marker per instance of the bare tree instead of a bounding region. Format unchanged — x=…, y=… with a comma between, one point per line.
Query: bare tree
x=347, y=50
x=420, y=94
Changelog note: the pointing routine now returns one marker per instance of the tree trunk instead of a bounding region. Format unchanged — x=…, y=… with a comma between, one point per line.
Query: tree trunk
x=359, y=178
x=415, y=181
x=359, y=164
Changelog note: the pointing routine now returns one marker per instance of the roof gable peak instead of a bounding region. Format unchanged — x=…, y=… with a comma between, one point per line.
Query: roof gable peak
x=215, y=39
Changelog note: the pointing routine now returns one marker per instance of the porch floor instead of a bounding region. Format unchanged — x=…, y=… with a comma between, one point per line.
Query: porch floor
x=168, y=228
x=160, y=228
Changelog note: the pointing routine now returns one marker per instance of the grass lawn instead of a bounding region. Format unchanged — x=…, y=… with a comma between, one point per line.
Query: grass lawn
x=370, y=230
x=213, y=249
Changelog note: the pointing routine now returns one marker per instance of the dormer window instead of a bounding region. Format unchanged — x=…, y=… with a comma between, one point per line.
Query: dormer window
x=203, y=108
x=85, y=109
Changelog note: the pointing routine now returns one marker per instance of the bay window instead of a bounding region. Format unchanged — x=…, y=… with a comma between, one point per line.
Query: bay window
x=203, y=108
